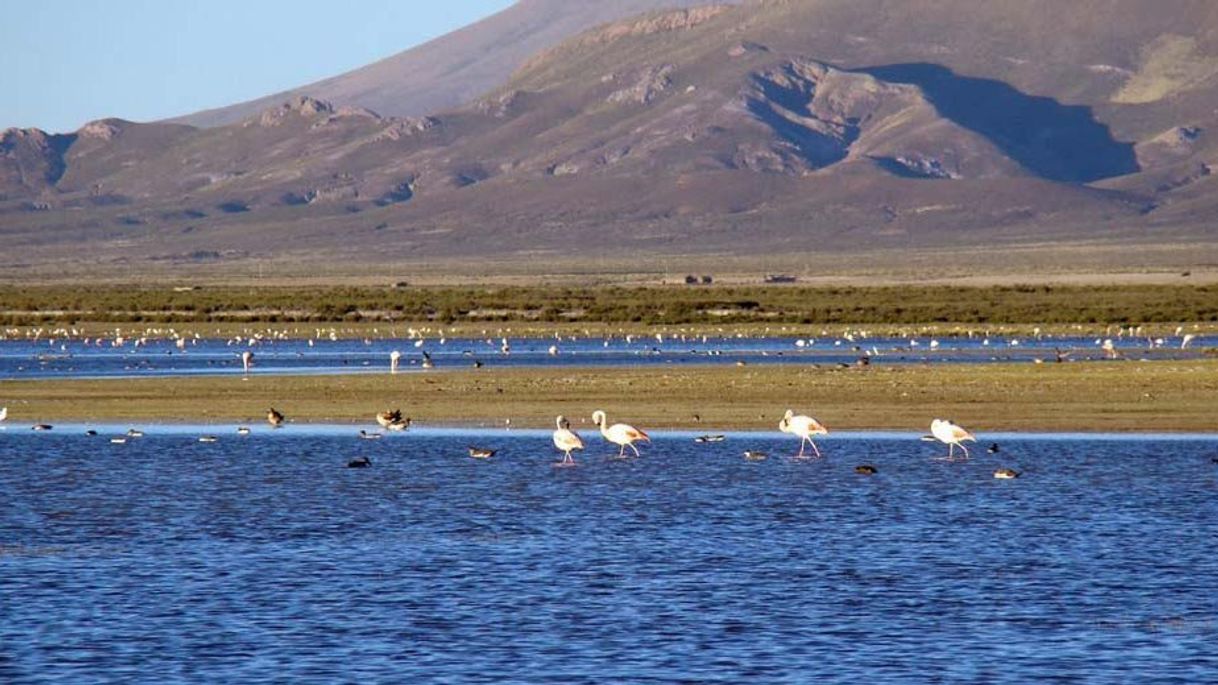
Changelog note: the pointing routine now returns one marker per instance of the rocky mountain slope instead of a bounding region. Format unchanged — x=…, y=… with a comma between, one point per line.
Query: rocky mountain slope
x=453, y=69
x=772, y=127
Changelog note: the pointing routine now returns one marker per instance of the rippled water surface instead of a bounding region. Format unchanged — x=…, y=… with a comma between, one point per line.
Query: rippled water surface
x=265, y=558
x=43, y=358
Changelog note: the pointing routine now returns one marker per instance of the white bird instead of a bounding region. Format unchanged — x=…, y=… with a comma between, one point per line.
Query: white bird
x=1188, y=338
x=395, y=358
x=3, y=413
x=951, y=435
x=803, y=426
x=247, y=358
x=620, y=434
x=567, y=441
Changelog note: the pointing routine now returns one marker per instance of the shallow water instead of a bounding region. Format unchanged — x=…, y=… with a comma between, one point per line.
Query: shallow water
x=74, y=359
x=264, y=558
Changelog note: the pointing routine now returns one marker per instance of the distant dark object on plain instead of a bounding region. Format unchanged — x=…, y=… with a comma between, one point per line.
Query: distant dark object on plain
x=780, y=278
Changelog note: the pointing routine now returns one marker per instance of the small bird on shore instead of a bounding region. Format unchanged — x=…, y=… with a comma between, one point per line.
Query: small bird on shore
x=866, y=470
x=804, y=427
x=1006, y=474
x=388, y=418
x=275, y=418
x=359, y=463
x=566, y=441
x=620, y=434
x=479, y=453
x=951, y=435
x=427, y=362
x=247, y=359
x=395, y=359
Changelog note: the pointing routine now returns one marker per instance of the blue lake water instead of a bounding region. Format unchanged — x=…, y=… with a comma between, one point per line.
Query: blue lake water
x=264, y=559
x=30, y=359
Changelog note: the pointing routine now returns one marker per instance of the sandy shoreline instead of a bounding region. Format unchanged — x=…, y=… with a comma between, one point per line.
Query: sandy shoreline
x=1166, y=396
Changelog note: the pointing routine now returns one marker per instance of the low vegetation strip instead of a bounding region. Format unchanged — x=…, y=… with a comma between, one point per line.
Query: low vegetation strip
x=1092, y=396
x=660, y=305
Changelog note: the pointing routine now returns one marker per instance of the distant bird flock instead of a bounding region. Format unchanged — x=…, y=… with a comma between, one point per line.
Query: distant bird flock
x=626, y=437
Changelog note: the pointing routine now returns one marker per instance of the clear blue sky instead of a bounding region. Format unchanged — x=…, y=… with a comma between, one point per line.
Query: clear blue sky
x=65, y=62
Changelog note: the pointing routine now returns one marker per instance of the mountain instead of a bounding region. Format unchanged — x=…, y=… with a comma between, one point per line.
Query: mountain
x=771, y=128
x=453, y=69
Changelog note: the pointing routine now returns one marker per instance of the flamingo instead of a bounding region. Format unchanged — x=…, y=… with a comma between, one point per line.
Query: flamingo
x=566, y=440
x=274, y=418
x=3, y=413
x=247, y=358
x=951, y=435
x=620, y=434
x=803, y=426
x=395, y=358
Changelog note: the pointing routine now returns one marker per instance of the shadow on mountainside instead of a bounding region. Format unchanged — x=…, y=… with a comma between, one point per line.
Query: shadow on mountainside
x=1057, y=142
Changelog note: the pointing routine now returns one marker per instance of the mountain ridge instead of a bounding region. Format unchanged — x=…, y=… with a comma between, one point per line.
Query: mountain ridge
x=452, y=69
x=765, y=128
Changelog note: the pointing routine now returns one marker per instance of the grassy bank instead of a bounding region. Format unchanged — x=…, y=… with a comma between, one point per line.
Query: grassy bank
x=651, y=305
x=1116, y=396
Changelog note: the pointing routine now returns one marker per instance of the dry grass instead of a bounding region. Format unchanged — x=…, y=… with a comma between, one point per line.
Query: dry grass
x=1117, y=396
